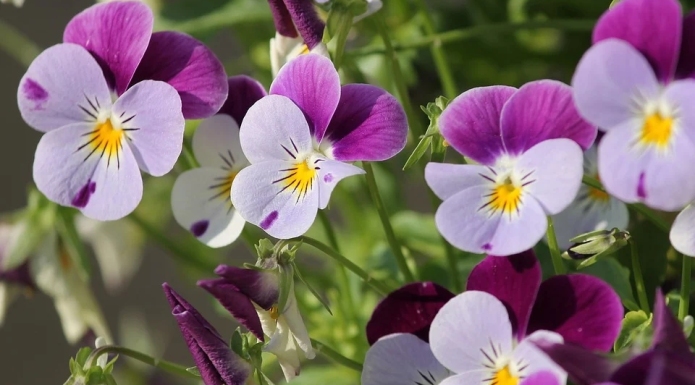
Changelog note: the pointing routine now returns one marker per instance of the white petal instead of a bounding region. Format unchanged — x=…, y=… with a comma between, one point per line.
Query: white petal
x=332, y=172
x=283, y=346
x=683, y=231
x=296, y=324
x=216, y=143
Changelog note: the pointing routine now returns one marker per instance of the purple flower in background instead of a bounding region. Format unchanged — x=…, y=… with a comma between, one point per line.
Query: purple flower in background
x=201, y=198
x=217, y=364
x=528, y=143
x=626, y=84
x=667, y=362
x=299, y=138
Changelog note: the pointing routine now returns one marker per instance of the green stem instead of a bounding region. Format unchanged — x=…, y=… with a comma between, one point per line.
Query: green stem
x=459, y=35
x=234, y=13
x=555, y=254
x=142, y=357
x=386, y=223
x=686, y=275
x=379, y=287
x=344, y=25
x=639, y=278
x=72, y=241
x=187, y=154
x=446, y=76
x=335, y=356
x=18, y=46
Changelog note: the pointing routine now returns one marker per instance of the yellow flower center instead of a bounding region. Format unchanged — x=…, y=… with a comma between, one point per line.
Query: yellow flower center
x=105, y=140
x=505, y=197
x=224, y=188
x=597, y=194
x=299, y=178
x=304, y=50
x=505, y=377
x=274, y=312
x=657, y=130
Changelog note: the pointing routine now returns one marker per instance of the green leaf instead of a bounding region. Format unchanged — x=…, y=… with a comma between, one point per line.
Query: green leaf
x=82, y=355
x=286, y=286
x=312, y=290
x=633, y=327
x=237, y=343
x=193, y=370
x=418, y=232
x=28, y=233
x=613, y=3
x=419, y=152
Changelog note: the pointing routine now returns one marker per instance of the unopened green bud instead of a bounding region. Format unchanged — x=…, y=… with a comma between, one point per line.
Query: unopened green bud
x=590, y=246
x=688, y=323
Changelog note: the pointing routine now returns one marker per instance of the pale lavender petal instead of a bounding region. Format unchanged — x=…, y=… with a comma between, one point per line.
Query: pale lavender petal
x=244, y=91
x=475, y=377
x=583, y=366
x=307, y=20
x=479, y=324
x=679, y=96
x=274, y=129
x=534, y=360
x=588, y=214
x=609, y=78
x=682, y=235
x=330, y=173
x=188, y=66
x=236, y=302
x=264, y=197
x=263, y=287
x=369, y=124
x=399, y=359
x=543, y=110
x=583, y=309
x=410, y=309
x=117, y=34
x=471, y=122
x=651, y=26
x=686, y=58
x=216, y=144
x=541, y=378
x=101, y=180
x=514, y=280
x=150, y=112
x=311, y=82
x=446, y=179
x=60, y=87
x=553, y=171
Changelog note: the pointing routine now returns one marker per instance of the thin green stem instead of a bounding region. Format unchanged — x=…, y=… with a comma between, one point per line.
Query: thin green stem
x=446, y=76
x=686, y=275
x=639, y=278
x=142, y=357
x=233, y=14
x=344, y=22
x=386, y=223
x=458, y=35
x=378, y=286
x=72, y=241
x=17, y=45
x=555, y=254
x=335, y=356
x=189, y=159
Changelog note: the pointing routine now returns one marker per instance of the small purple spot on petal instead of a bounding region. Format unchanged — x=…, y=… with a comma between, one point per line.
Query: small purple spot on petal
x=82, y=198
x=328, y=178
x=641, y=192
x=269, y=220
x=33, y=91
x=199, y=228
x=487, y=247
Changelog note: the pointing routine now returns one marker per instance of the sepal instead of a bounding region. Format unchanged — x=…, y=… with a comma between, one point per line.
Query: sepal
x=588, y=247
x=433, y=139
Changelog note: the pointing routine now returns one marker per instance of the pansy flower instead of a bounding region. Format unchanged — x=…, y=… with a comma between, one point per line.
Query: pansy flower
x=528, y=143
x=628, y=85
x=300, y=138
x=201, y=198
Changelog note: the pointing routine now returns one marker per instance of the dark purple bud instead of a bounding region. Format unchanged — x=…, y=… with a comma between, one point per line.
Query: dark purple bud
x=282, y=18
x=308, y=22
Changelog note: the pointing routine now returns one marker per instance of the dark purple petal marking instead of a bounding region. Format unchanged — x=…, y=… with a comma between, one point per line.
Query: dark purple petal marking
x=262, y=287
x=82, y=198
x=328, y=178
x=269, y=220
x=199, y=228
x=34, y=92
x=641, y=190
x=487, y=247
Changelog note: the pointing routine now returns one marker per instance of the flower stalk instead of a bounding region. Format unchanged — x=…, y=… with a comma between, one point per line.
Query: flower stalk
x=16, y=45
x=555, y=254
x=685, y=287
x=446, y=76
x=167, y=366
x=335, y=356
x=639, y=278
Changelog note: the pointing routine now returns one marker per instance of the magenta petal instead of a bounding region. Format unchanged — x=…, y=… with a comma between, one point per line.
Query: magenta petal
x=244, y=91
x=686, y=58
x=541, y=378
x=543, y=110
x=471, y=122
x=307, y=21
x=238, y=304
x=583, y=309
x=117, y=34
x=369, y=124
x=668, y=333
x=582, y=366
x=262, y=287
x=514, y=280
x=652, y=26
x=409, y=309
x=190, y=67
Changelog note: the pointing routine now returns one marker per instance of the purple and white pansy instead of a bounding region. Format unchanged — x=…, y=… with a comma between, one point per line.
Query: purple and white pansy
x=528, y=145
x=201, y=198
x=636, y=84
x=299, y=139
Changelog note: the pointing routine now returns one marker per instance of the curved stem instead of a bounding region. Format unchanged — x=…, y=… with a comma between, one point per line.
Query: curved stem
x=639, y=278
x=438, y=55
x=335, y=356
x=686, y=275
x=142, y=357
x=16, y=45
x=386, y=223
x=555, y=254
x=234, y=13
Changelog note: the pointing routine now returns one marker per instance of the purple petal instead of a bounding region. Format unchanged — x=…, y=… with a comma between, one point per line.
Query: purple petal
x=369, y=124
x=682, y=236
x=583, y=309
x=188, y=66
x=60, y=80
x=471, y=122
x=447, y=179
x=262, y=287
x=307, y=21
x=216, y=144
x=409, y=309
x=539, y=111
x=668, y=333
x=686, y=58
x=651, y=26
x=117, y=34
x=332, y=172
x=311, y=82
x=583, y=366
x=541, y=378
x=514, y=281
x=236, y=302
x=244, y=91
x=533, y=358
x=151, y=115
x=282, y=18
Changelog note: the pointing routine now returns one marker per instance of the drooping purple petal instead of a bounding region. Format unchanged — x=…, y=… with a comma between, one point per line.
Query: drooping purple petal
x=409, y=309
x=117, y=34
x=330, y=173
x=150, y=112
x=583, y=309
x=59, y=86
x=244, y=91
x=686, y=58
x=307, y=20
x=236, y=302
x=190, y=67
x=651, y=26
x=262, y=287
x=282, y=18
x=533, y=358
x=514, y=281
x=311, y=82
x=369, y=124
x=471, y=122
x=668, y=333
x=543, y=110
x=583, y=366
x=682, y=236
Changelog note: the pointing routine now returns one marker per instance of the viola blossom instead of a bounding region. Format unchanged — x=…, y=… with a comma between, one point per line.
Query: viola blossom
x=668, y=361
x=299, y=138
x=252, y=297
x=528, y=143
x=201, y=198
x=636, y=84
x=591, y=210
x=217, y=363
